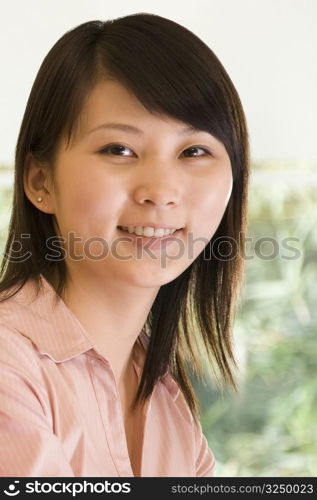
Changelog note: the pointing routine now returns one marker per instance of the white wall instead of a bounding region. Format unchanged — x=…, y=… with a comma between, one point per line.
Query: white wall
x=268, y=47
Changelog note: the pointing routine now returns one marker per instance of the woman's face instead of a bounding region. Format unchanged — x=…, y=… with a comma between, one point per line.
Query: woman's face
x=115, y=175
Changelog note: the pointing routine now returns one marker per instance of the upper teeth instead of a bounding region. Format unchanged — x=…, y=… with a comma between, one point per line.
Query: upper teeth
x=148, y=231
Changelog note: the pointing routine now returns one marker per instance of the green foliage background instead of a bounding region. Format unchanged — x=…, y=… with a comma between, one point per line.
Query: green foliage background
x=270, y=427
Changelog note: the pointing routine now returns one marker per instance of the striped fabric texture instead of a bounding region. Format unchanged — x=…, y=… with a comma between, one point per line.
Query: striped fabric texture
x=60, y=412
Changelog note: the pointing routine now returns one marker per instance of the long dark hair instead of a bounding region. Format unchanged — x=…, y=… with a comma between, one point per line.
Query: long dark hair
x=171, y=71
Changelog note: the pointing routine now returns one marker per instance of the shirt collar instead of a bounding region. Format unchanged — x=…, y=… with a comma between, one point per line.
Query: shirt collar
x=51, y=326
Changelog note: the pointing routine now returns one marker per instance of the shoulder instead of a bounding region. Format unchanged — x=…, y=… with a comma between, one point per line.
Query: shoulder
x=174, y=408
x=184, y=425
x=18, y=356
x=12, y=342
x=15, y=308
x=15, y=347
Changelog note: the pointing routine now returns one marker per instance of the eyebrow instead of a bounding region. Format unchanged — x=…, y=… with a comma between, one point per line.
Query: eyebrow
x=132, y=129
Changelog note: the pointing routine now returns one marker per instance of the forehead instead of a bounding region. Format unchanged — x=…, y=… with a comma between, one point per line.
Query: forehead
x=111, y=98
x=110, y=101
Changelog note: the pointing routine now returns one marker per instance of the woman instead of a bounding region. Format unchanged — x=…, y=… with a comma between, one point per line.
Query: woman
x=131, y=175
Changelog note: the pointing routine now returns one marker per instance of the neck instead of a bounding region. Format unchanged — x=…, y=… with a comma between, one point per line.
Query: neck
x=112, y=315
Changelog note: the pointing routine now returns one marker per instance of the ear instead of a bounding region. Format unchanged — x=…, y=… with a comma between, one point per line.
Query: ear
x=36, y=182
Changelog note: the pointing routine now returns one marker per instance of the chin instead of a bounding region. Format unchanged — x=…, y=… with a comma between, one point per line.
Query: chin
x=149, y=276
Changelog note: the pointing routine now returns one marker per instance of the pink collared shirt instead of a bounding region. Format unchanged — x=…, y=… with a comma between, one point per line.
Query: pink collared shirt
x=60, y=412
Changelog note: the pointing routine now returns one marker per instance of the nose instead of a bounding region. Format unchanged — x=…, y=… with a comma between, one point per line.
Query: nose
x=158, y=186
x=158, y=197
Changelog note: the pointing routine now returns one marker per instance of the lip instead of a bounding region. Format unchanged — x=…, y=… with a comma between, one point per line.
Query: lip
x=152, y=242
x=151, y=224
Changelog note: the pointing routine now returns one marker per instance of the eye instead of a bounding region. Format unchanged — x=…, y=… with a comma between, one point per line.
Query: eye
x=193, y=149
x=120, y=149
x=115, y=149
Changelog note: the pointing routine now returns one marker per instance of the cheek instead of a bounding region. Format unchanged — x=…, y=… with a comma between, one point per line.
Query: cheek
x=208, y=203
x=88, y=205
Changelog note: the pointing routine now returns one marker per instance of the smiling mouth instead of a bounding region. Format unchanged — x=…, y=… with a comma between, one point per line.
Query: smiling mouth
x=133, y=235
